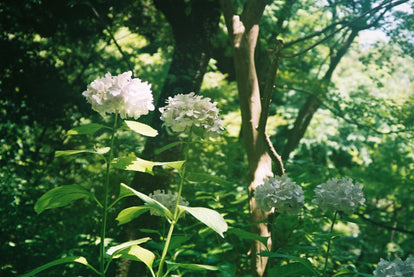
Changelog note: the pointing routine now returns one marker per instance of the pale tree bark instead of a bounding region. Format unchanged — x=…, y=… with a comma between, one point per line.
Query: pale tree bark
x=243, y=33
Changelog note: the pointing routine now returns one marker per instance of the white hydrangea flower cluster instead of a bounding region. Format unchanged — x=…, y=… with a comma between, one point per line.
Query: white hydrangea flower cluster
x=339, y=194
x=396, y=268
x=185, y=111
x=168, y=199
x=281, y=193
x=120, y=94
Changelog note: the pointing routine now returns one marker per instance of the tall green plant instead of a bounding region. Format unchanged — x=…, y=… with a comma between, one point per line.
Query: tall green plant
x=128, y=97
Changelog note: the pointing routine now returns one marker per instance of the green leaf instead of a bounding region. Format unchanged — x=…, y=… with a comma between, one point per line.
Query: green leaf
x=242, y=234
x=303, y=261
x=134, y=164
x=72, y=259
x=209, y=217
x=291, y=269
x=131, y=213
x=173, y=165
x=194, y=267
x=59, y=197
x=141, y=128
x=115, y=249
x=154, y=204
x=204, y=177
x=168, y=146
x=99, y=151
x=141, y=165
x=136, y=253
x=86, y=129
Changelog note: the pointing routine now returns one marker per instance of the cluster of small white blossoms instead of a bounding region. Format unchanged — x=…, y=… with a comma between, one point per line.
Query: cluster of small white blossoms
x=120, y=94
x=281, y=193
x=339, y=194
x=185, y=111
x=168, y=199
x=396, y=268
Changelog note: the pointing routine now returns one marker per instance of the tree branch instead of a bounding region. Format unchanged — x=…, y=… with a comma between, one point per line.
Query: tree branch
x=384, y=5
x=265, y=103
x=124, y=56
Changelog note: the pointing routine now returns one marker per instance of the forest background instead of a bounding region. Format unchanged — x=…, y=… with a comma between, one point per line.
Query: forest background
x=341, y=105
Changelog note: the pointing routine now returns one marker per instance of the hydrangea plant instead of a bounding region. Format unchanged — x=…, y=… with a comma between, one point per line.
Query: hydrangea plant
x=280, y=193
x=168, y=199
x=185, y=112
x=121, y=95
x=339, y=194
x=396, y=268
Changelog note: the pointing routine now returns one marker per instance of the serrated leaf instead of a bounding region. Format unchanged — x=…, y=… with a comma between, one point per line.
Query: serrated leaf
x=115, y=249
x=59, y=197
x=136, y=253
x=72, y=259
x=141, y=128
x=154, y=204
x=209, y=217
x=131, y=213
x=242, y=234
x=86, y=129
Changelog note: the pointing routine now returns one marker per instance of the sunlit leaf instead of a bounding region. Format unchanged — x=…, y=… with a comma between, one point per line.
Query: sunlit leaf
x=99, y=151
x=131, y=213
x=72, y=259
x=134, y=164
x=174, y=165
x=141, y=128
x=86, y=129
x=209, y=217
x=115, y=249
x=60, y=196
x=154, y=204
x=136, y=253
x=141, y=165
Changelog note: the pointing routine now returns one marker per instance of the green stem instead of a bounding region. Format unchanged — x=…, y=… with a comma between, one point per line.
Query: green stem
x=329, y=244
x=105, y=202
x=176, y=211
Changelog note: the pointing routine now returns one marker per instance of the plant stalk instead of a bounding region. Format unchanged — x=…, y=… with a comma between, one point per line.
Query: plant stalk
x=176, y=211
x=105, y=202
x=329, y=244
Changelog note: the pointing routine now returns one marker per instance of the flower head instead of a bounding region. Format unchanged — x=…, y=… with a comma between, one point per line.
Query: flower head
x=185, y=111
x=120, y=94
x=339, y=195
x=281, y=193
x=168, y=199
x=397, y=268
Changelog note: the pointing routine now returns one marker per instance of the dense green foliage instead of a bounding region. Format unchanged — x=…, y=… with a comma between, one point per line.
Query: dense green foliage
x=363, y=128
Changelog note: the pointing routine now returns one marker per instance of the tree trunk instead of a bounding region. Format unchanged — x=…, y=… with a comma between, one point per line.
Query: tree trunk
x=193, y=32
x=243, y=33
